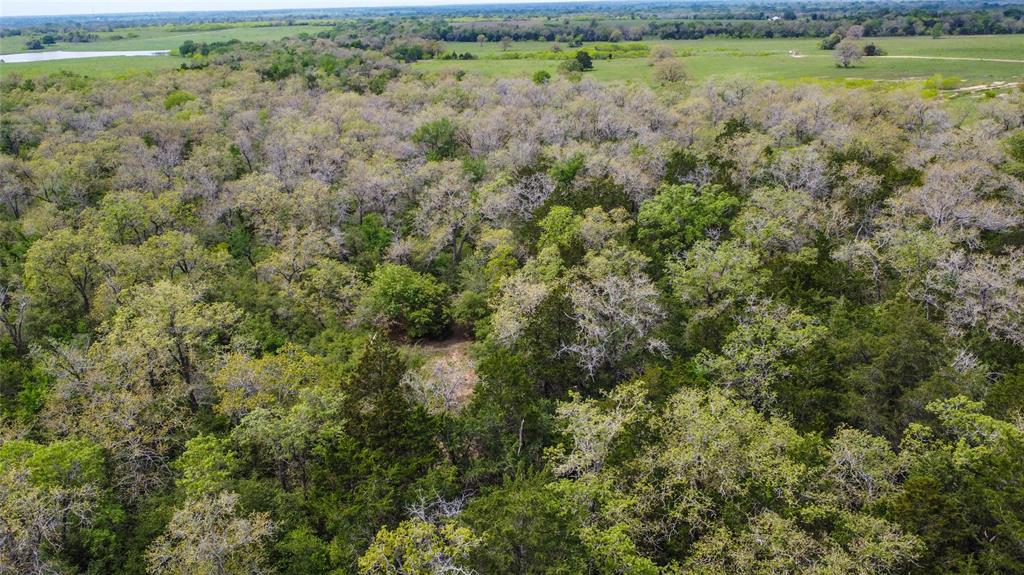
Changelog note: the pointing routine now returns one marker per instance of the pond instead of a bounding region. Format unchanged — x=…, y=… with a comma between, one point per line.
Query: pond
x=62, y=55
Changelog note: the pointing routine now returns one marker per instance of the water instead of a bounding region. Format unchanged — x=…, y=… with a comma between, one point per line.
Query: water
x=62, y=55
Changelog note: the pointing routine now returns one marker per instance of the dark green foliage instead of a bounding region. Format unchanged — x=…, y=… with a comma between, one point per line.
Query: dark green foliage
x=529, y=529
x=964, y=491
x=885, y=355
x=583, y=58
x=382, y=417
x=507, y=420
x=831, y=41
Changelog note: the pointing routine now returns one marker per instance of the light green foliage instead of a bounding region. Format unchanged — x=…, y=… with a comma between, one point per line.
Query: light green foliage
x=304, y=552
x=301, y=308
x=775, y=544
x=172, y=255
x=205, y=466
x=50, y=496
x=711, y=279
x=407, y=300
x=64, y=267
x=178, y=98
x=165, y=332
x=735, y=485
x=561, y=229
x=330, y=290
x=245, y=383
x=677, y=216
x=61, y=464
x=940, y=82
x=593, y=428
x=210, y=535
x=418, y=547
x=758, y=355
x=293, y=435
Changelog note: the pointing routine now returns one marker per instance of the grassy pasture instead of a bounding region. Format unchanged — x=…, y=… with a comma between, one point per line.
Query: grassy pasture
x=771, y=59
x=150, y=38
x=911, y=58
x=165, y=37
x=107, y=67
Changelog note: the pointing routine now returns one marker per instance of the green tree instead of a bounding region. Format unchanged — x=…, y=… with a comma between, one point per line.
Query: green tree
x=584, y=60
x=525, y=528
x=679, y=215
x=403, y=299
x=211, y=536
x=964, y=491
x=65, y=266
x=758, y=355
x=206, y=466
x=439, y=139
x=56, y=509
x=418, y=547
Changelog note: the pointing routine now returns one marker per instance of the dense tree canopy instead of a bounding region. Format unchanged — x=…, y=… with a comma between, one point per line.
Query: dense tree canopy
x=302, y=310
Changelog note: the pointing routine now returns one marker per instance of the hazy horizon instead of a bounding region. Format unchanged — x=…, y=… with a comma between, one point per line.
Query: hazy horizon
x=17, y=8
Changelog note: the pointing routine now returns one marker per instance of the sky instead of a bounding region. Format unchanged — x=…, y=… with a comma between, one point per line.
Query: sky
x=55, y=7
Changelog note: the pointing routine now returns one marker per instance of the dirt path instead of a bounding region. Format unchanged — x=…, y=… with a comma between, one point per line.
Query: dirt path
x=955, y=58
x=450, y=369
x=983, y=87
x=952, y=58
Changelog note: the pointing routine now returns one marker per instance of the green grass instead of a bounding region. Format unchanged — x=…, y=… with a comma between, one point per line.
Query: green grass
x=767, y=59
x=110, y=67
x=770, y=59
x=166, y=38
x=152, y=38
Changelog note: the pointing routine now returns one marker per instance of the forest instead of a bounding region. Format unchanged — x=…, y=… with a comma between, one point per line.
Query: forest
x=588, y=21
x=300, y=308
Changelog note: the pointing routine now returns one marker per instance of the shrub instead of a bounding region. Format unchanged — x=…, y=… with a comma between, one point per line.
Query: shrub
x=177, y=98
x=583, y=58
x=662, y=52
x=847, y=53
x=570, y=67
x=872, y=50
x=670, y=71
x=940, y=82
x=410, y=301
x=831, y=41
x=438, y=137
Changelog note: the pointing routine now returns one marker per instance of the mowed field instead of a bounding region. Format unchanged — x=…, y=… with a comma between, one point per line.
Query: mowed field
x=974, y=59
x=151, y=38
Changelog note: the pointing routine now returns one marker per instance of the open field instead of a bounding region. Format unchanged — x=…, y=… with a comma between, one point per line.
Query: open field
x=153, y=38
x=108, y=67
x=166, y=38
x=974, y=59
